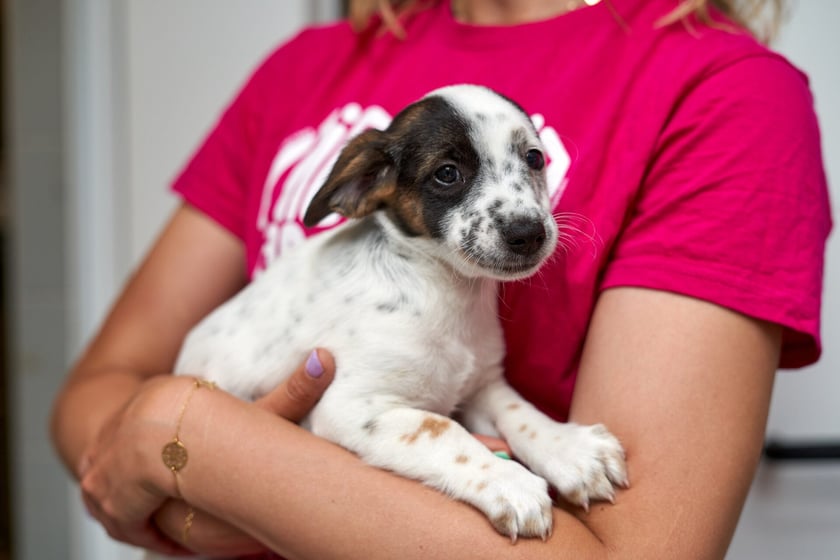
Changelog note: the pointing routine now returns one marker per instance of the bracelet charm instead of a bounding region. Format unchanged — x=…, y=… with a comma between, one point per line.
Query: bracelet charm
x=174, y=453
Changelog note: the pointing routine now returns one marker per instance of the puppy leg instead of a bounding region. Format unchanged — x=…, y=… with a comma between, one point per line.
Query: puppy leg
x=440, y=453
x=582, y=462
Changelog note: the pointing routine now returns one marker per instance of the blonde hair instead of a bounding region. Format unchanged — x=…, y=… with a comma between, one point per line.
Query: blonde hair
x=762, y=17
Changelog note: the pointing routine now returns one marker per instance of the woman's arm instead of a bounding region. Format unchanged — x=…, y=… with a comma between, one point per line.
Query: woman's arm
x=685, y=385
x=194, y=266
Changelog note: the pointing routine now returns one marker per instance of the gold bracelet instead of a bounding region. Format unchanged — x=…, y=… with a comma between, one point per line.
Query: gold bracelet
x=188, y=521
x=174, y=453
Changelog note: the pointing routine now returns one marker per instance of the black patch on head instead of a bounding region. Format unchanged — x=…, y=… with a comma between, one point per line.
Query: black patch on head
x=399, y=220
x=427, y=135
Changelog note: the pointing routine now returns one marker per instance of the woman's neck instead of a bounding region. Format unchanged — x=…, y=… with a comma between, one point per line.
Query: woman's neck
x=513, y=12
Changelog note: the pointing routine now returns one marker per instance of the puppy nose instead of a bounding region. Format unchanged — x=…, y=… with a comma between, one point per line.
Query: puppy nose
x=525, y=237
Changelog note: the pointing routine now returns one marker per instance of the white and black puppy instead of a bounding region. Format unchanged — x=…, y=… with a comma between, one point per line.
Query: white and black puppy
x=446, y=202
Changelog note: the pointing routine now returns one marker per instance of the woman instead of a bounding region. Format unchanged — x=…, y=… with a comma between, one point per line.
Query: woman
x=685, y=154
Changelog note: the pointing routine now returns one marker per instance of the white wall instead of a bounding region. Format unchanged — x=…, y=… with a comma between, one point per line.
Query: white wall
x=184, y=61
x=807, y=402
x=32, y=236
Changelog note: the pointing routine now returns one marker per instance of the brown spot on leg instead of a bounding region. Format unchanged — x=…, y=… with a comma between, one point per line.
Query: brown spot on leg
x=523, y=427
x=461, y=459
x=513, y=406
x=431, y=425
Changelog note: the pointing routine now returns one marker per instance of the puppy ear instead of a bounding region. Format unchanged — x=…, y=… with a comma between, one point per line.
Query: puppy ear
x=360, y=182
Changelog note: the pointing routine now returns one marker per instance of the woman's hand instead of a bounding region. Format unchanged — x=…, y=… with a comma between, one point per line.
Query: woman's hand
x=291, y=400
x=121, y=476
x=128, y=490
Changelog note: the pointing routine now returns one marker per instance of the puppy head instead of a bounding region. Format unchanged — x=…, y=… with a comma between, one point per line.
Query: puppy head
x=462, y=170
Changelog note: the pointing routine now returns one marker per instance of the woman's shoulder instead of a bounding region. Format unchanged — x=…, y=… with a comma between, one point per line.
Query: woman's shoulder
x=696, y=53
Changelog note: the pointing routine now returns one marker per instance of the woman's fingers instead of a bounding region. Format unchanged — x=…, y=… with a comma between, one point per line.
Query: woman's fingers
x=121, y=476
x=295, y=397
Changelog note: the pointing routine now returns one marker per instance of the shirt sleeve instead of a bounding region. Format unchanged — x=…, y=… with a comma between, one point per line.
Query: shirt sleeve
x=734, y=208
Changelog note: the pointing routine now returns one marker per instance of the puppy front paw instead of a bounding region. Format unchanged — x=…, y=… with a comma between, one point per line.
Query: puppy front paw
x=584, y=463
x=515, y=500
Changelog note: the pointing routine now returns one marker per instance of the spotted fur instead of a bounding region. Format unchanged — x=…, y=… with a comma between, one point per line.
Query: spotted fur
x=447, y=201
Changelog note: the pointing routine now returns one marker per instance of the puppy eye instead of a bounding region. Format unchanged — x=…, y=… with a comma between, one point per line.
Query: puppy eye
x=535, y=160
x=447, y=175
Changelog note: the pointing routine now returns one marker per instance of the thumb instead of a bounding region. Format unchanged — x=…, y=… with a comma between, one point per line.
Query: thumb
x=298, y=393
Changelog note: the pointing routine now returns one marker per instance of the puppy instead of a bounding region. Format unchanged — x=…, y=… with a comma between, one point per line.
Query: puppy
x=444, y=204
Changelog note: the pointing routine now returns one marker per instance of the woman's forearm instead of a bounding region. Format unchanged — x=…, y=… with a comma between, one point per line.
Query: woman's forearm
x=307, y=498
x=84, y=405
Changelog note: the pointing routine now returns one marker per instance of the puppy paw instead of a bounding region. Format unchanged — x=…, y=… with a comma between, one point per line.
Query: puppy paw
x=515, y=500
x=584, y=463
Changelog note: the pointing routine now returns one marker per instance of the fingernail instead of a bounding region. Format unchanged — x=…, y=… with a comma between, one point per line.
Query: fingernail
x=313, y=365
x=502, y=454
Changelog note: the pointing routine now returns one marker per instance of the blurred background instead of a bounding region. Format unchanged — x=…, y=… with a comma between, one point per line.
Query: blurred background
x=102, y=102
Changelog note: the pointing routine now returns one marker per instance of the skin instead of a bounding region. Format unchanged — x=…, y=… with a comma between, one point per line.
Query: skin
x=683, y=383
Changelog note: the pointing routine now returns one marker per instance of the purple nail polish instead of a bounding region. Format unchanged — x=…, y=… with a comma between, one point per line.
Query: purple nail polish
x=313, y=365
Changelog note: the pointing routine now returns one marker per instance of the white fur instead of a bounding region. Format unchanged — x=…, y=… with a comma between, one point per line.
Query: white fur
x=412, y=323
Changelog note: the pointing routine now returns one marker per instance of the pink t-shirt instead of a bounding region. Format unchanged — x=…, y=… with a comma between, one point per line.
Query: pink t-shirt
x=686, y=161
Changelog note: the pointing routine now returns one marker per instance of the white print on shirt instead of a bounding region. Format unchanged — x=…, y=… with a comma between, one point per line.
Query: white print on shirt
x=304, y=160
